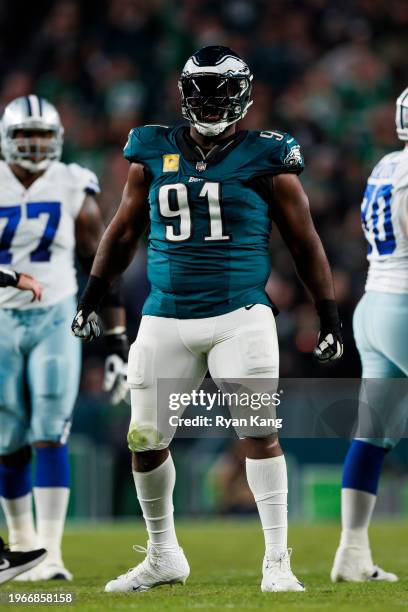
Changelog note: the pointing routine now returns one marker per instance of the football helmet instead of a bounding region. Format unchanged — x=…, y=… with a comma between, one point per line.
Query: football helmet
x=215, y=87
x=401, y=115
x=25, y=114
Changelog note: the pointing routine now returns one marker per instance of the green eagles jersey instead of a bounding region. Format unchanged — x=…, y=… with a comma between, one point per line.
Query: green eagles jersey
x=209, y=224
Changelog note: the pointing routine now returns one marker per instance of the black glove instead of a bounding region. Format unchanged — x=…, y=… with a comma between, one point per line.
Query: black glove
x=86, y=325
x=114, y=381
x=330, y=343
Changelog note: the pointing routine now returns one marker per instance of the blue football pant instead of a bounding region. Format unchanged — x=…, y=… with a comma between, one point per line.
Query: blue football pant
x=40, y=364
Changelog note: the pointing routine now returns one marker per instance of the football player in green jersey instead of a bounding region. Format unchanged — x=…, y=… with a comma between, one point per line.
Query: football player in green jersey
x=208, y=192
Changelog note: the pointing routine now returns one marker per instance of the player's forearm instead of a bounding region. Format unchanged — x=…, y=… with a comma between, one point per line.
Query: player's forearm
x=115, y=252
x=313, y=268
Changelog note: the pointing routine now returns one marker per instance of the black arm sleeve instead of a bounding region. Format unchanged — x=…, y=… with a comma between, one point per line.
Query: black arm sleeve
x=99, y=294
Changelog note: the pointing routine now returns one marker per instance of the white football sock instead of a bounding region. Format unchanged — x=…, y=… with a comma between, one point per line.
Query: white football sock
x=51, y=505
x=20, y=522
x=155, y=494
x=268, y=481
x=356, y=511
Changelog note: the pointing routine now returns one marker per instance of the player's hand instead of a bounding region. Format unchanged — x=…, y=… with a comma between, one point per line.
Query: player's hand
x=29, y=283
x=329, y=346
x=116, y=367
x=86, y=325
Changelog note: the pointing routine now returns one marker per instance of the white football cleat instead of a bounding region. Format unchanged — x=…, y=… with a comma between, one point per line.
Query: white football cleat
x=46, y=571
x=25, y=577
x=52, y=571
x=354, y=564
x=169, y=567
x=277, y=575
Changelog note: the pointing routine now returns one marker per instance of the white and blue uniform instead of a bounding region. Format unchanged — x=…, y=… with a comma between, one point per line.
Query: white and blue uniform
x=39, y=358
x=380, y=320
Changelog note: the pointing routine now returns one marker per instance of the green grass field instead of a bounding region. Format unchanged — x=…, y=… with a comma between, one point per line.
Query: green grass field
x=225, y=559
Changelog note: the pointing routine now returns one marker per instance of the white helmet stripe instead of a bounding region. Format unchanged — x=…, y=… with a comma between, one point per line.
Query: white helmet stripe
x=227, y=64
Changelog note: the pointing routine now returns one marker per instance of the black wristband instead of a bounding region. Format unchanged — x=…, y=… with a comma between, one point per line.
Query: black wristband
x=9, y=278
x=93, y=294
x=328, y=314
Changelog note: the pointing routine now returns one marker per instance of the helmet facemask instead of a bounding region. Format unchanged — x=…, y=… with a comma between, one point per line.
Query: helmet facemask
x=401, y=116
x=32, y=152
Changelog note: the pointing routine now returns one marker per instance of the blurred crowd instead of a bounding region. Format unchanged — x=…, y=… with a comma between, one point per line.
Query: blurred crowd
x=326, y=71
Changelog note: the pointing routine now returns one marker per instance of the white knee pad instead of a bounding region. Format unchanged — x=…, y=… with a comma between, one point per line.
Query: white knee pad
x=258, y=353
x=139, y=372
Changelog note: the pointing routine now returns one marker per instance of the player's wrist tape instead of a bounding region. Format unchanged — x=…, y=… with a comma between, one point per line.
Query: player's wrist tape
x=114, y=331
x=328, y=314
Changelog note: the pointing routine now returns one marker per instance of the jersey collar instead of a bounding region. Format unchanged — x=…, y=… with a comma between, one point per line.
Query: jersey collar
x=191, y=151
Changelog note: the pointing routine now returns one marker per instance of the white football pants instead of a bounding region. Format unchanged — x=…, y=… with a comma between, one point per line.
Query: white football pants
x=237, y=345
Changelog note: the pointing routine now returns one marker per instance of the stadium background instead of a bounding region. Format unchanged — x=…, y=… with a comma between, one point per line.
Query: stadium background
x=327, y=72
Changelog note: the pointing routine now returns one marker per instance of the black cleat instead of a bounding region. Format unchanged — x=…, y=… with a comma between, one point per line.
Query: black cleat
x=14, y=563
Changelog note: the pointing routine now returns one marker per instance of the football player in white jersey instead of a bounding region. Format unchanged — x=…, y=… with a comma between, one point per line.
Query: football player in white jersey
x=47, y=211
x=381, y=334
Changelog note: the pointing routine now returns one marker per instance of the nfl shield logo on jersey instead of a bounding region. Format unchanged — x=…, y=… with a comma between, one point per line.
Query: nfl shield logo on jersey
x=201, y=166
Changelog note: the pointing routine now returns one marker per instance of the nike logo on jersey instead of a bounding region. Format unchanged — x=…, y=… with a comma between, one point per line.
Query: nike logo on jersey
x=249, y=306
x=5, y=564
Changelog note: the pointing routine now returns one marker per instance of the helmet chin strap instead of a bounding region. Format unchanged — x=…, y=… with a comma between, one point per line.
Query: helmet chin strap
x=211, y=129
x=215, y=129
x=33, y=166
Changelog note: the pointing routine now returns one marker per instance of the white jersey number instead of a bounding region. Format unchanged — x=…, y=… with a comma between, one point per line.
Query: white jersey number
x=181, y=209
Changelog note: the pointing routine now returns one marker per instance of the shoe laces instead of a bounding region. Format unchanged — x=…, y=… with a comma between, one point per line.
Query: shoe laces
x=282, y=562
x=151, y=559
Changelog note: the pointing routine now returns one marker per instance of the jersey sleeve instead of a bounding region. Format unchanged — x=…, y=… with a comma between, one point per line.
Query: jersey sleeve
x=401, y=178
x=291, y=157
x=85, y=183
x=143, y=142
x=133, y=149
x=275, y=153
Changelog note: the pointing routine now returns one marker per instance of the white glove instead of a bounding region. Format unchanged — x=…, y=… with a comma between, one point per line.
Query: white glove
x=114, y=381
